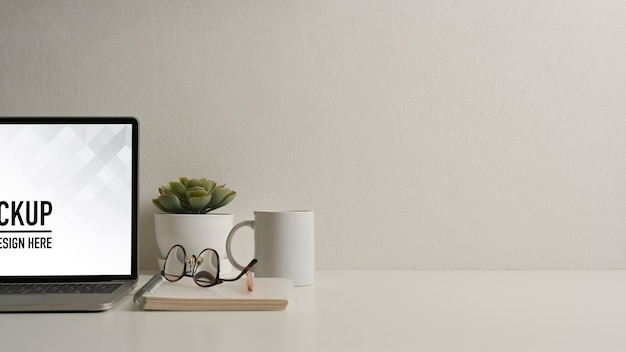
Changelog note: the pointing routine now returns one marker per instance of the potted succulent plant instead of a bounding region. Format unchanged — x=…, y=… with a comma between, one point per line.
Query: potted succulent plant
x=188, y=217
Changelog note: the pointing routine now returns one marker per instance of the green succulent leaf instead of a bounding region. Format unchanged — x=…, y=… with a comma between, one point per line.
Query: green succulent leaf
x=209, y=185
x=171, y=203
x=198, y=203
x=221, y=197
x=189, y=183
x=165, y=190
x=196, y=191
x=178, y=189
x=229, y=198
x=158, y=205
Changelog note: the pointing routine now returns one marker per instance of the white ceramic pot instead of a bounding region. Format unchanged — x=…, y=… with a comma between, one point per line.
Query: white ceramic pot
x=195, y=232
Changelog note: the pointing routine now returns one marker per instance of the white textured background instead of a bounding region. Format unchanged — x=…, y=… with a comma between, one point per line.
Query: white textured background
x=424, y=134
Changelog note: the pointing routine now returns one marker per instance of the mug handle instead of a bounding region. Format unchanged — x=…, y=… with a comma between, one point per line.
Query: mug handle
x=231, y=259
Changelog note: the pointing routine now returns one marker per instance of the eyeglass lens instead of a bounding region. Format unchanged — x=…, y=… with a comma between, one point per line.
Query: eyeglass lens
x=175, y=264
x=207, y=268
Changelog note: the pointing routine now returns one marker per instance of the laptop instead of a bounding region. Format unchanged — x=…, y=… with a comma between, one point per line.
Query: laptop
x=68, y=212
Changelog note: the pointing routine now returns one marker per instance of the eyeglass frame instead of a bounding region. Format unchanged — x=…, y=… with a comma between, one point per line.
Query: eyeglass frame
x=193, y=261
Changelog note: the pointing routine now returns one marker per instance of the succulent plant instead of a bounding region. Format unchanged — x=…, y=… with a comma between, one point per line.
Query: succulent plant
x=196, y=196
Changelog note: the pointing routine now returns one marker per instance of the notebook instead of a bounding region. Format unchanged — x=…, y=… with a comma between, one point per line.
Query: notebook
x=160, y=294
x=68, y=212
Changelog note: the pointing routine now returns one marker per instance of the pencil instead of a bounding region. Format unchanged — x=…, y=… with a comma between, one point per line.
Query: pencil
x=250, y=279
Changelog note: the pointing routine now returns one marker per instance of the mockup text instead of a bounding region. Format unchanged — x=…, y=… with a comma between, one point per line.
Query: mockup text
x=24, y=213
x=25, y=242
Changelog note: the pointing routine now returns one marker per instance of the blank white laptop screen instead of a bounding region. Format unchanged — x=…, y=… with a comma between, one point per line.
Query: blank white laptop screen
x=66, y=199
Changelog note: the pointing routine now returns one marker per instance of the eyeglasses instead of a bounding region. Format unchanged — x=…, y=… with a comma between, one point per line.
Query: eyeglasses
x=204, y=269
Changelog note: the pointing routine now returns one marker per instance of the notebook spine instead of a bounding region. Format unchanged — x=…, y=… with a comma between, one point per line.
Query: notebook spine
x=149, y=287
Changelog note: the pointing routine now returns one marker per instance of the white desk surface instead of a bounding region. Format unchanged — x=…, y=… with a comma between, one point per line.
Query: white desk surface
x=365, y=311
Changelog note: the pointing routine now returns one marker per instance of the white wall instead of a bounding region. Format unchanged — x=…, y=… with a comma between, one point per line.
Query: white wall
x=425, y=134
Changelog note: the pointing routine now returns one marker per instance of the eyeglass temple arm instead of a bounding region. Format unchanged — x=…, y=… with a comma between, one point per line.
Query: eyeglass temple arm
x=244, y=271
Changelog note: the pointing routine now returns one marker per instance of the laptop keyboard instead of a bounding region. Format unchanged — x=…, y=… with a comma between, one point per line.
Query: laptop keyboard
x=60, y=288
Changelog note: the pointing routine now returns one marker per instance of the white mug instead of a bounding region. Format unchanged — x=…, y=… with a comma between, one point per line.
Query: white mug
x=284, y=245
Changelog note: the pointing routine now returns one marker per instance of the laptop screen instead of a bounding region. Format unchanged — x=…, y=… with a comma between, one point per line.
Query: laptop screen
x=68, y=197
